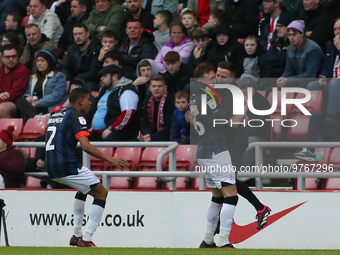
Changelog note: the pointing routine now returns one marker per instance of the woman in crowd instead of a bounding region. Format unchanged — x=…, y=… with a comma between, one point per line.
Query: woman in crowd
x=46, y=88
x=180, y=43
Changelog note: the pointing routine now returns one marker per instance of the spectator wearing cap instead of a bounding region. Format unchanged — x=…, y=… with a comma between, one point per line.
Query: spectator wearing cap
x=227, y=48
x=257, y=134
x=12, y=160
x=272, y=64
x=273, y=9
x=46, y=88
x=318, y=22
x=304, y=57
x=117, y=117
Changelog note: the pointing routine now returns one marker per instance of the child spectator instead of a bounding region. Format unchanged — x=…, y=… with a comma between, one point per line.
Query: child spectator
x=177, y=74
x=109, y=42
x=179, y=130
x=145, y=69
x=189, y=20
x=200, y=38
x=254, y=51
x=162, y=22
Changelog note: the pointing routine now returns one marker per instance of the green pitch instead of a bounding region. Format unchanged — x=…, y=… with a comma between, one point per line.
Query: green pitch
x=151, y=251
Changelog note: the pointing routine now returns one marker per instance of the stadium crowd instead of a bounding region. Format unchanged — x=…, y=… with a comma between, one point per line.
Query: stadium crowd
x=137, y=57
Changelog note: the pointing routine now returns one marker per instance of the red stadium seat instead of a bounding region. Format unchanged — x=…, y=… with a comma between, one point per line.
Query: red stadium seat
x=121, y=182
x=300, y=130
x=32, y=182
x=311, y=183
x=100, y=165
x=148, y=163
x=33, y=128
x=277, y=130
x=334, y=163
x=17, y=123
x=94, y=93
x=262, y=93
x=314, y=105
x=183, y=163
x=32, y=151
x=278, y=108
x=195, y=184
x=133, y=156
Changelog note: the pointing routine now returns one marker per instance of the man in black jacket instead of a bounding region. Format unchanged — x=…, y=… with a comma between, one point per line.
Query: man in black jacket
x=81, y=58
x=79, y=13
x=136, y=11
x=139, y=44
x=117, y=117
x=157, y=111
x=242, y=16
x=318, y=24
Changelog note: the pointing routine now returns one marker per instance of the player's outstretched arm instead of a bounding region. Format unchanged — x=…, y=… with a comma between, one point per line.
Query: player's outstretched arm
x=93, y=151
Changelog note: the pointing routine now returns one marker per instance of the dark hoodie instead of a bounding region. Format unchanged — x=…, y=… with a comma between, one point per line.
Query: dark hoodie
x=178, y=81
x=143, y=49
x=251, y=66
x=82, y=64
x=243, y=17
x=193, y=62
x=232, y=50
x=273, y=62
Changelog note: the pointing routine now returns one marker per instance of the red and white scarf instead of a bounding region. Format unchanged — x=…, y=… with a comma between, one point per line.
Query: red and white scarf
x=160, y=115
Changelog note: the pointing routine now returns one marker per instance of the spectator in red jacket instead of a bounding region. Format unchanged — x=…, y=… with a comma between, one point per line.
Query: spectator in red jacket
x=12, y=160
x=13, y=81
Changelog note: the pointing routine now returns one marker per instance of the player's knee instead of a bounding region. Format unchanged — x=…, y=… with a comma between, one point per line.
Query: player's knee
x=217, y=200
x=231, y=200
x=80, y=196
x=99, y=202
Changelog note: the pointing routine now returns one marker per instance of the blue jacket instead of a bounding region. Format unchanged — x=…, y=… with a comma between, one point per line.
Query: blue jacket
x=328, y=60
x=178, y=127
x=303, y=64
x=54, y=90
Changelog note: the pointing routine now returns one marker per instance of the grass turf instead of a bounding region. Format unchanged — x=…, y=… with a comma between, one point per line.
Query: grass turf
x=151, y=251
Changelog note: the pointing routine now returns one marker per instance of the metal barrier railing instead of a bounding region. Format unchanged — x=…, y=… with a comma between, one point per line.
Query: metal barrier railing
x=172, y=174
x=301, y=176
